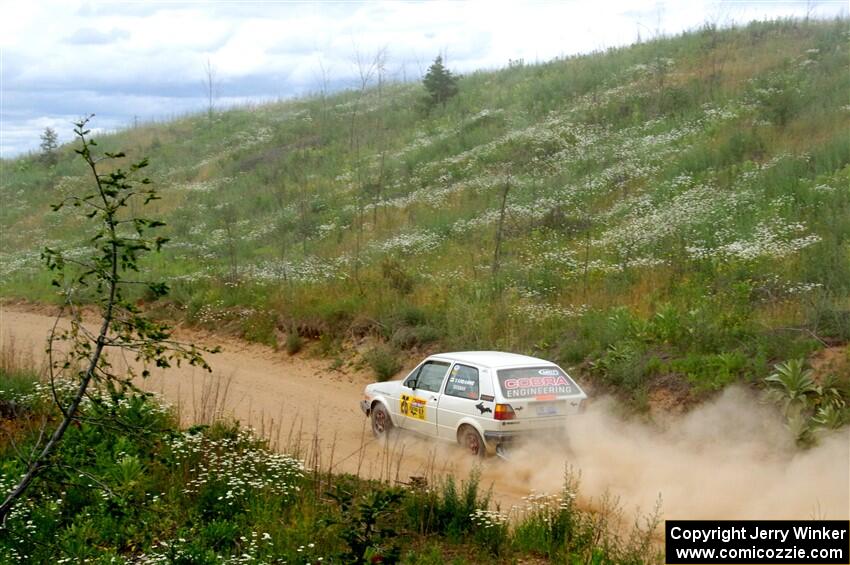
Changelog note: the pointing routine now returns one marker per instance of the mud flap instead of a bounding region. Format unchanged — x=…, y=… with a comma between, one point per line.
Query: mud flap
x=502, y=452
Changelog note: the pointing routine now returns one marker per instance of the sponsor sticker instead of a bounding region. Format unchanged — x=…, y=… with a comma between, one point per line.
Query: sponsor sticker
x=527, y=382
x=412, y=407
x=531, y=382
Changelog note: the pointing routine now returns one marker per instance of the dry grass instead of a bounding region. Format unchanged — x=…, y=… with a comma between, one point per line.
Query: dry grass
x=16, y=360
x=210, y=404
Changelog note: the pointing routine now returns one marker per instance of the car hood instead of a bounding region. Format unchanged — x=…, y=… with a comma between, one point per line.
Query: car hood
x=382, y=388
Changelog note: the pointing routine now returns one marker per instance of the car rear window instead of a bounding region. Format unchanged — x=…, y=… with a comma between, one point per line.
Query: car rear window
x=528, y=382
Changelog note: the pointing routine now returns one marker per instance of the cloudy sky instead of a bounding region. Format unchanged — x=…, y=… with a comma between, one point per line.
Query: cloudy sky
x=135, y=60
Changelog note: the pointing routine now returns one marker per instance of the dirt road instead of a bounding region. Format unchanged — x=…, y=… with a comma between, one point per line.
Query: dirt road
x=298, y=403
x=729, y=459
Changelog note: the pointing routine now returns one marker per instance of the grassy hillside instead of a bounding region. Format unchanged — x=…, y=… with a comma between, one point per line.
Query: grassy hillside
x=677, y=213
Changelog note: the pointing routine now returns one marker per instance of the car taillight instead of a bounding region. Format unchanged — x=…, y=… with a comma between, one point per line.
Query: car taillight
x=504, y=412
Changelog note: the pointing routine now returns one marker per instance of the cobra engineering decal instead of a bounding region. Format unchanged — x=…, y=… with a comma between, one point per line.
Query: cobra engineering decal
x=412, y=407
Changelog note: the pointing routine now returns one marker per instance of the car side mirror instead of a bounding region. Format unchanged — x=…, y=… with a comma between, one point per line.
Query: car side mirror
x=413, y=384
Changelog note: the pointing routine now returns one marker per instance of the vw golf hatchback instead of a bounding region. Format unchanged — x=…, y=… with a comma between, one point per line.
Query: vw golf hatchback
x=483, y=400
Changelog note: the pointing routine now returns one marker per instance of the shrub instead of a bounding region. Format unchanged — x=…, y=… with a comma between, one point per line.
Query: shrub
x=259, y=327
x=412, y=316
x=329, y=345
x=806, y=404
x=711, y=372
x=408, y=338
x=294, y=342
x=829, y=320
x=623, y=366
x=364, y=524
x=557, y=527
x=384, y=361
x=446, y=509
x=396, y=276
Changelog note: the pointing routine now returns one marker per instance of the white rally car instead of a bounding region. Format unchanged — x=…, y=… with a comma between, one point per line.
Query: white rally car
x=481, y=399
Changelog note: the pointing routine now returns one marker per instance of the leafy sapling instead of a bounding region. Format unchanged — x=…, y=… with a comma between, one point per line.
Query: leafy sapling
x=105, y=276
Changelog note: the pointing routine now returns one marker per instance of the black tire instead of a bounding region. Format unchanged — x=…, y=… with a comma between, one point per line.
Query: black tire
x=382, y=424
x=471, y=441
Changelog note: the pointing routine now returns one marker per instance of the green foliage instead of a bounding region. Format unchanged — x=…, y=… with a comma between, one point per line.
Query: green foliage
x=294, y=342
x=407, y=338
x=440, y=83
x=777, y=97
x=49, y=145
x=396, y=276
x=447, y=510
x=260, y=327
x=102, y=273
x=384, y=361
x=806, y=404
x=793, y=384
x=117, y=247
x=363, y=525
x=713, y=371
x=830, y=319
x=150, y=492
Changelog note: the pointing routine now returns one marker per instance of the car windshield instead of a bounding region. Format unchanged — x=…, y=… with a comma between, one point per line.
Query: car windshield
x=529, y=382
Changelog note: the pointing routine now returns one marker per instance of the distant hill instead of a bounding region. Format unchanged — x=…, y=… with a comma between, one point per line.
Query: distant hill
x=677, y=213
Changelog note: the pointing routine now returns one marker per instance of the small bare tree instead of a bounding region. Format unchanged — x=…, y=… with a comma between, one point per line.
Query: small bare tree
x=714, y=47
x=324, y=90
x=366, y=72
x=228, y=218
x=210, y=84
x=497, y=252
x=811, y=8
x=119, y=242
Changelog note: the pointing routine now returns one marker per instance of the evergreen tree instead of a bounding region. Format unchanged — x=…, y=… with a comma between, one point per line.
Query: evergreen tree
x=49, y=144
x=440, y=83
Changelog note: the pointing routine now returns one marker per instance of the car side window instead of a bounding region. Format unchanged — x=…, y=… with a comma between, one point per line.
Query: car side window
x=430, y=376
x=410, y=381
x=463, y=382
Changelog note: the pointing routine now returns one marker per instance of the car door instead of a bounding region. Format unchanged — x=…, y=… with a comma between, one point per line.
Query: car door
x=419, y=398
x=461, y=399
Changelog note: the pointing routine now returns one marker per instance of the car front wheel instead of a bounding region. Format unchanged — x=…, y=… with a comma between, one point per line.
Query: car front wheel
x=381, y=422
x=471, y=441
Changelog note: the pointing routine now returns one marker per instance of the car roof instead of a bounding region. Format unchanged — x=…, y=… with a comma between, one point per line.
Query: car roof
x=492, y=359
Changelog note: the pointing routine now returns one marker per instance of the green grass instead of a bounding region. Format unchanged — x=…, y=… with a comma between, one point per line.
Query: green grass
x=703, y=175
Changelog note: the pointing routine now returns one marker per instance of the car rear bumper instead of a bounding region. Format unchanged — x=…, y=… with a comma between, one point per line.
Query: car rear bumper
x=509, y=437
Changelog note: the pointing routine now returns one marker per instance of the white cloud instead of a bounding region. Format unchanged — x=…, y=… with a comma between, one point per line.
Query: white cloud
x=90, y=36
x=147, y=58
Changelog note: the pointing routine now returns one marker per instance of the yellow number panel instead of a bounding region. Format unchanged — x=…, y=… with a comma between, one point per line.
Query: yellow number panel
x=412, y=407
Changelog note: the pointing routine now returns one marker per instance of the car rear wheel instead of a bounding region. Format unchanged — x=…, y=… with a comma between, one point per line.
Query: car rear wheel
x=471, y=441
x=381, y=422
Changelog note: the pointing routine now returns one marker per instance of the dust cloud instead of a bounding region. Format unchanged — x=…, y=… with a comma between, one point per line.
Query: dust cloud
x=730, y=458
